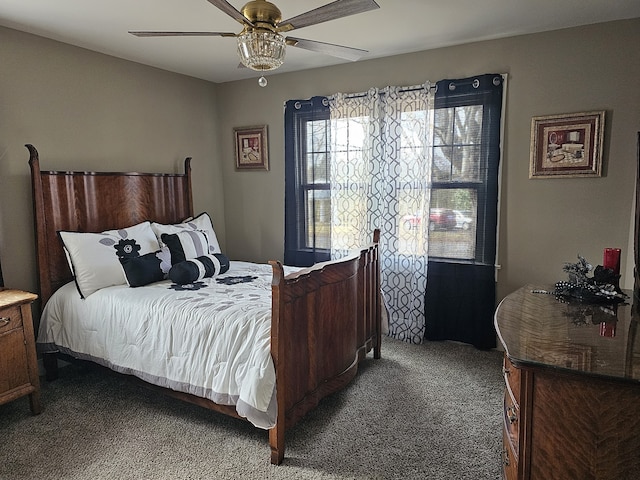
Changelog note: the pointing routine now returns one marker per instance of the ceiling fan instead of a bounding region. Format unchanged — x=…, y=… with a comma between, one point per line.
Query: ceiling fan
x=261, y=46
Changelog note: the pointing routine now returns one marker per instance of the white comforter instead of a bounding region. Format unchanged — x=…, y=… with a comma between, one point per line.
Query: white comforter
x=213, y=342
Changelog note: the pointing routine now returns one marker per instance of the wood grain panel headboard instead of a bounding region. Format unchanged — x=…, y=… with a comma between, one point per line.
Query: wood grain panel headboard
x=66, y=201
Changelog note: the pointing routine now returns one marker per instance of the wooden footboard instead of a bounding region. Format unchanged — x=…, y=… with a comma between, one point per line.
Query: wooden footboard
x=324, y=321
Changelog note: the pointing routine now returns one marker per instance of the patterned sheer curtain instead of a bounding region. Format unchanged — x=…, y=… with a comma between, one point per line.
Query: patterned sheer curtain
x=380, y=170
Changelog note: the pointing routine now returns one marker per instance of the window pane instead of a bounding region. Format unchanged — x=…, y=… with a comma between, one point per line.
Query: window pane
x=412, y=159
x=443, y=126
x=316, y=136
x=441, y=170
x=317, y=168
x=466, y=164
x=410, y=221
x=349, y=134
x=468, y=125
x=452, y=223
x=413, y=128
x=318, y=219
x=347, y=153
x=411, y=163
x=457, y=140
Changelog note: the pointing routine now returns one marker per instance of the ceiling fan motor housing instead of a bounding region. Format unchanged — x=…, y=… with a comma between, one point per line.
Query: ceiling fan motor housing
x=262, y=14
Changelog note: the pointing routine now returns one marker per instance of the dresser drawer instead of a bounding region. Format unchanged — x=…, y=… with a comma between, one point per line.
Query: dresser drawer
x=10, y=318
x=512, y=379
x=509, y=460
x=14, y=369
x=511, y=423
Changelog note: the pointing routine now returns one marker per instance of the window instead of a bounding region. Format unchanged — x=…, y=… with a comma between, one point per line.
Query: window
x=466, y=154
x=460, y=294
x=457, y=177
x=307, y=196
x=464, y=184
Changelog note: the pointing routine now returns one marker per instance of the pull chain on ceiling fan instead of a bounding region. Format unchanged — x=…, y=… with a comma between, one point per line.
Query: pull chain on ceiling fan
x=261, y=46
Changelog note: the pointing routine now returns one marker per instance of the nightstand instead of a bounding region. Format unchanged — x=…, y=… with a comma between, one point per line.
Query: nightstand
x=18, y=362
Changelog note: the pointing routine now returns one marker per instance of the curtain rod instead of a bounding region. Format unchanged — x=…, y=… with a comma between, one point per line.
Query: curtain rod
x=411, y=88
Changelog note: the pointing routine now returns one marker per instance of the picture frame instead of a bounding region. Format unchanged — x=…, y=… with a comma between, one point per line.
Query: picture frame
x=568, y=145
x=251, y=148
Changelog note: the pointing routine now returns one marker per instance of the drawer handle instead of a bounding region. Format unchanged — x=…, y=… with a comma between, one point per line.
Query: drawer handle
x=4, y=321
x=512, y=415
x=505, y=457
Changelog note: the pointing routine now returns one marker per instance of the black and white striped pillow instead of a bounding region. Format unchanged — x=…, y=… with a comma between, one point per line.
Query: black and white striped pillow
x=186, y=245
x=196, y=269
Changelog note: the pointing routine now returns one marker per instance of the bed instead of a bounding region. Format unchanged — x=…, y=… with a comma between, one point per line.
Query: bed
x=320, y=322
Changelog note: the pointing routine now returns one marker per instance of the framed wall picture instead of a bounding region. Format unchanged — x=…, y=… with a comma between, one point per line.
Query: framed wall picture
x=251, y=147
x=567, y=145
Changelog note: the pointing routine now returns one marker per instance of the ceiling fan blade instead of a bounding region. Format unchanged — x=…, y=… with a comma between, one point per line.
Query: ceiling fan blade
x=182, y=34
x=331, y=11
x=230, y=10
x=339, y=51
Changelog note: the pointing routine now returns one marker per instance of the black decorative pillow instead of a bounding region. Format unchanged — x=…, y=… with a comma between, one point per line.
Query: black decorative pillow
x=224, y=262
x=145, y=269
x=192, y=270
x=186, y=245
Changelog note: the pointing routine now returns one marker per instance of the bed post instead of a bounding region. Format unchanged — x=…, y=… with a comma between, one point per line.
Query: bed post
x=377, y=298
x=42, y=258
x=276, y=434
x=187, y=173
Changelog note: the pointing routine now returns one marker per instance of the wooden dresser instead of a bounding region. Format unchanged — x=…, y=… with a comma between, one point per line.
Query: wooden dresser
x=18, y=364
x=572, y=388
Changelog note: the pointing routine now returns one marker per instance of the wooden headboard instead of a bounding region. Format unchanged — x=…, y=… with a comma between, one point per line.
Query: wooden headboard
x=69, y=201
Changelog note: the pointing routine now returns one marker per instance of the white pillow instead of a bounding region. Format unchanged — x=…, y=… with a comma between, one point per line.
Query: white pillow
x=202, y=222
x=94, y=257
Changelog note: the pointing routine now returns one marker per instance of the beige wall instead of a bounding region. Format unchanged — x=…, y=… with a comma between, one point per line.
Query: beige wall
x=79, y=108
x=543, y=223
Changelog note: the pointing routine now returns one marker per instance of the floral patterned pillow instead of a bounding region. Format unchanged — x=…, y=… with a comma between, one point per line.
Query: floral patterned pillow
x=94, y=258
x=145, y=269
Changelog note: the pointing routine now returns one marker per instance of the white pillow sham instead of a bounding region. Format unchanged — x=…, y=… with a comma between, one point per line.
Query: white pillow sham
x=94, y=257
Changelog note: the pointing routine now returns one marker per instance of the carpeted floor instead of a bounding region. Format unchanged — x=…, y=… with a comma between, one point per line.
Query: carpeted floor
x=429, y=411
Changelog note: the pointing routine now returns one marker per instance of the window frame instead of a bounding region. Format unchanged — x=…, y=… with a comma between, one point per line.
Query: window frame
x=298, y=114
x=466, y=93
x=481, y=187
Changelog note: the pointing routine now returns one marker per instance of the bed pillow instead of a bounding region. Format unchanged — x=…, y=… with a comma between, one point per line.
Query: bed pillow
x=202, y=222
x=95, y=257
x=186, y=245
x=146, y=269
x=195, y=269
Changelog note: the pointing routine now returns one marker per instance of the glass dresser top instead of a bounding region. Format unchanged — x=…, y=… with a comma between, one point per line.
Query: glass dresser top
x=539, y=329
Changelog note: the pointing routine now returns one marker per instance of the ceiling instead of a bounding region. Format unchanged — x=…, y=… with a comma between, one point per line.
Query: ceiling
x=398, y=26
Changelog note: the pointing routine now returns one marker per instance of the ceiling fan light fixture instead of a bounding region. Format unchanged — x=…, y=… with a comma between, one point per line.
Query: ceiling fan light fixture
x=261, y=50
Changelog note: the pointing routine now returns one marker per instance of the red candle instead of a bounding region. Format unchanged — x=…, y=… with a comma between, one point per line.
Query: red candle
x=612, y=259
x=608, y=329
